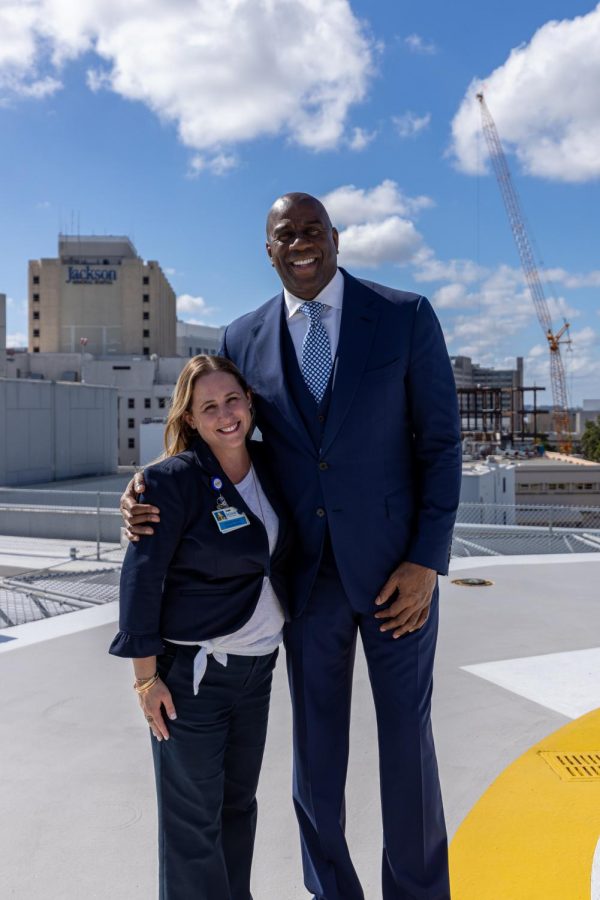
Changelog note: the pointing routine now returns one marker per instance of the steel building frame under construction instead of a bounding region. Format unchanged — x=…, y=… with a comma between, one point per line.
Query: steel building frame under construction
x=497, y=413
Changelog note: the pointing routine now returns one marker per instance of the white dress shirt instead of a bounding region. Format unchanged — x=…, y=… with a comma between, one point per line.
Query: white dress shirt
x=331, y=297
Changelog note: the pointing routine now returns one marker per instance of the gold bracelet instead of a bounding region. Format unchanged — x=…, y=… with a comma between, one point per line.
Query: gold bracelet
x=142, y=681
x=142, y=685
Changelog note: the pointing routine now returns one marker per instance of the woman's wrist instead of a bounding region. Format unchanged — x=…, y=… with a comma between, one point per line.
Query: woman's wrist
x=144, y=668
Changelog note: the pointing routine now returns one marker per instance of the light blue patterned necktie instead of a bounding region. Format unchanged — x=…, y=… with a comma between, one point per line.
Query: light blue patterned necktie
x=316, y=351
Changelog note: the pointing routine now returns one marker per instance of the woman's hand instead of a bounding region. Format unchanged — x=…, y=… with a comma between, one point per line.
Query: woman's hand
x=152, y=702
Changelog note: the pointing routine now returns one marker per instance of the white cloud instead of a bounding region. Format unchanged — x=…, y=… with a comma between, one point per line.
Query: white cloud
x=560, y=309
x=394, y=240
x=16, y=339
x=188, y=305
x=409, y=124
x=581, y=362
x=537, y=350
x=573, y=279
x=219, y=164
x=464, y=271
x=350, y=205
x=545, y=102
x=376, y=223
x=452, y=296
x=361, y=138
x=21, y=54
x=491, y=313
x=224, y=72
x=417, y=44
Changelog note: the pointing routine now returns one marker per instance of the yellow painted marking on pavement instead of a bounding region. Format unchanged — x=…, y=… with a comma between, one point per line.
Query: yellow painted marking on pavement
x=533, y=834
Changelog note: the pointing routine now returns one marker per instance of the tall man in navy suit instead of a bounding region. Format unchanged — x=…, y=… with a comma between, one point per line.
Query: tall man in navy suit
x=356, y=401
x=355, y=398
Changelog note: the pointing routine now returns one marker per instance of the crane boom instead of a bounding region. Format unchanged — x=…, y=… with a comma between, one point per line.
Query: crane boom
x=560, y=414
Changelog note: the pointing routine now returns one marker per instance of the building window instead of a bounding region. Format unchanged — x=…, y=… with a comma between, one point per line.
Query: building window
x=503, y=485
x=131, y=423
x=146, y=351
x=131, y=403
x=162, y=402
x=36, y=314
x=36, y=279
x=145, y=280
x=36, y=332
x=146, y=298
x=36, y=298
x=147, y=403
x=36, y=349
x=131, y=443
x=146, y=315
x=146, y=332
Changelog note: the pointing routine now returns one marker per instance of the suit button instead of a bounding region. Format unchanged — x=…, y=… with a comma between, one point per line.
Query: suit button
x=321, y=419
x=320, y=512
x=323, y=465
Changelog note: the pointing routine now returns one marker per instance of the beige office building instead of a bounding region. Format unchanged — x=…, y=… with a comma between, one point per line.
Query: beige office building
x=101, y=297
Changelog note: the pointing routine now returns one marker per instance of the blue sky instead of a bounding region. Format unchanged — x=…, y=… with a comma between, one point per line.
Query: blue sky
x=177, y=122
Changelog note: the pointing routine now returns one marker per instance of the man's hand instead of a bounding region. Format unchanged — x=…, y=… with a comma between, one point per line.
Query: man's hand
x=410, y=610
x=134, y=513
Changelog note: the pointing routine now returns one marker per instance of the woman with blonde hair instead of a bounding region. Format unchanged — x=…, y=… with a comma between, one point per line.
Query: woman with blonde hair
x=201, y=616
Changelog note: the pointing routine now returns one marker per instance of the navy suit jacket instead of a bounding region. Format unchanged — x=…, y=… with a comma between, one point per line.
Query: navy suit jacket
x=189, y=582
x=386, y=479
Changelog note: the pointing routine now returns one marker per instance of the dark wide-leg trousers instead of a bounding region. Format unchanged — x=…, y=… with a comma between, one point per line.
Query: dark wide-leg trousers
x=320, y=648
x=207, y=775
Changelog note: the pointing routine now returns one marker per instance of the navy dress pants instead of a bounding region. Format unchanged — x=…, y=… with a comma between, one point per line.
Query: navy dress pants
x=320, y=647
x=207, y=775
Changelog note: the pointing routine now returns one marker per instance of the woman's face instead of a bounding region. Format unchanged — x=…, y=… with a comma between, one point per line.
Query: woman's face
x=220, y=411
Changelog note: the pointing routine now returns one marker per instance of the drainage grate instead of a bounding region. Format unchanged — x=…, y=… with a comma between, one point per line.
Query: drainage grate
x=582, y=766
x=472, y=582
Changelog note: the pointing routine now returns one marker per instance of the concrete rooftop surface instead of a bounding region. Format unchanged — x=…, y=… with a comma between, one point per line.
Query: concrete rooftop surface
x=517, y=661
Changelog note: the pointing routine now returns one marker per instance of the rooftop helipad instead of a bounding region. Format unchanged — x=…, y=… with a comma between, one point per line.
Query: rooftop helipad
x=517, y=661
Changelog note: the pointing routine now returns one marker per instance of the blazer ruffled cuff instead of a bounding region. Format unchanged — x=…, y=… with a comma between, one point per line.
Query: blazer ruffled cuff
x=136, y=646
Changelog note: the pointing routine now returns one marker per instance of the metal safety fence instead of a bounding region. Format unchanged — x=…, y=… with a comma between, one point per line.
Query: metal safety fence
x=489, y=529
x=482, y=529
x=69, y=515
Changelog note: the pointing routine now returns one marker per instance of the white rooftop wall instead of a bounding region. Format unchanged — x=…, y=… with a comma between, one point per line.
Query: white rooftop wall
x=488, y=483
x=55, y=430
x=151, y=441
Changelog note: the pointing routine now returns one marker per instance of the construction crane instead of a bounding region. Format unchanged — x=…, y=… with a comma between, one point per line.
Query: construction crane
x=560, y=409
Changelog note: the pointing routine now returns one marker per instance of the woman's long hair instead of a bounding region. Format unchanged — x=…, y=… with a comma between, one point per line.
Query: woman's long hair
x=178, y=434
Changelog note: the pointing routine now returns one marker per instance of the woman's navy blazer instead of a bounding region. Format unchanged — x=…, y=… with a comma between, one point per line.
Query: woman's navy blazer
x=189, y=581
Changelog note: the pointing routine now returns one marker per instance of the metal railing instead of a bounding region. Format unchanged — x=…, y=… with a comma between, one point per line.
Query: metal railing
x=71, y=515
x=482, y=529
x=491, y=529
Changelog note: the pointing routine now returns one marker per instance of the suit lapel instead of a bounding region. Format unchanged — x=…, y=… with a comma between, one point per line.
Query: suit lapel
x=266, y=335
x=360, y=313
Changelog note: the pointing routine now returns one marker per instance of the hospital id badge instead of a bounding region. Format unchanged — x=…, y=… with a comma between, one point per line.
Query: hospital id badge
x=230, y=519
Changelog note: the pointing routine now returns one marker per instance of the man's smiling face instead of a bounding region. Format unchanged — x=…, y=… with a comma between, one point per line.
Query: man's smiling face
x=302, y=244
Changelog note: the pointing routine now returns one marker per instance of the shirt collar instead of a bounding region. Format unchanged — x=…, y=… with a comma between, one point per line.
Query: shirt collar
x=331, y=295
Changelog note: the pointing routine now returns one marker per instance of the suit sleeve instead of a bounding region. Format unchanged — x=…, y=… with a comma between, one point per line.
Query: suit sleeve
x=437, y=447
x=223, y=347
x=145, y=566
